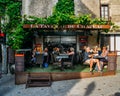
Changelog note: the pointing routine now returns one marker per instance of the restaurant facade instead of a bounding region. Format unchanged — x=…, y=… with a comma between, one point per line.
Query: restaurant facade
x=72, y=35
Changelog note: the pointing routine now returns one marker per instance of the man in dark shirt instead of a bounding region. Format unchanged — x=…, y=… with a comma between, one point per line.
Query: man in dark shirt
x=88, y=58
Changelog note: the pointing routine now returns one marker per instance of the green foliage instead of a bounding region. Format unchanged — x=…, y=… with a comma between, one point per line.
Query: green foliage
x=84, y=19
x=16, y=38
x=65, y=7
x=99, y=21
x=13, y=26
x=63, y=13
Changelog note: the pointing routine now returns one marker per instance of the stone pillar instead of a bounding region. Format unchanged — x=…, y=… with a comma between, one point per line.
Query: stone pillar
x=4, y=59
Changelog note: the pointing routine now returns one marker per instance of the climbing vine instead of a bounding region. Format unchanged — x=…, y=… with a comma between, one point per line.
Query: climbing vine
x=10, y=13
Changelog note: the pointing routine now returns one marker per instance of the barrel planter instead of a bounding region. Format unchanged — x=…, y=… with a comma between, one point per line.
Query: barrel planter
x=112, y=59
x=19, y=63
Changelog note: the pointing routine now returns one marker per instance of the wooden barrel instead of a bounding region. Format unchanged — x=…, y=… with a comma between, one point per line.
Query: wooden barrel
x=112, y=59
x=19, y=63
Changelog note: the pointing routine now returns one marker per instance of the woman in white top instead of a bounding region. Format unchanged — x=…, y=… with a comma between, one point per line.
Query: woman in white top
x=104, y=54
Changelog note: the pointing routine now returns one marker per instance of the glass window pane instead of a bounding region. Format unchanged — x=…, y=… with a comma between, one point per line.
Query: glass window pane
x=104, y=11
x=106, y=8
x=102, y=8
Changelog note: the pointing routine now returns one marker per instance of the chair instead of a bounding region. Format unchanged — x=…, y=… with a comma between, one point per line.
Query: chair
x=105, y=63
x=68, y=62
x=55, y=62
x=39, y=59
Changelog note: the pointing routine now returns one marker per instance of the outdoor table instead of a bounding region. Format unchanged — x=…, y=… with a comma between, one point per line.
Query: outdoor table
x=62, y=56
x=98, y=57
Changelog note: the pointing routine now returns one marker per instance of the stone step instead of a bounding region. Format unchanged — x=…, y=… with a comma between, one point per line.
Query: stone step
x=35, y=80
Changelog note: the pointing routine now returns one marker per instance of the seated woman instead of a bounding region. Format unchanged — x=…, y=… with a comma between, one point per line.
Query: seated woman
x=56, y=52
x=88, y=58
x=71, y=52
x=104, y=54
x=95, y=50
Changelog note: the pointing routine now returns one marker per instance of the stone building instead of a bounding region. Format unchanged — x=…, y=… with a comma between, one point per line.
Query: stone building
x=106, y=9
x=112, y=7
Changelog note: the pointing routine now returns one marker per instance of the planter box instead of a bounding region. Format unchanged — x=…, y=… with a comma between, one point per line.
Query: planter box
x=19, y=62
x=21, y=77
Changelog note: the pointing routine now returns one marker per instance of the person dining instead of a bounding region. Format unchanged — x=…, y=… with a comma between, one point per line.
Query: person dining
x=56, y=52
x=103, y=58
x=70, y=54
x=88, y=58
x=95, y=50
x=104, y=54
x=45, y=56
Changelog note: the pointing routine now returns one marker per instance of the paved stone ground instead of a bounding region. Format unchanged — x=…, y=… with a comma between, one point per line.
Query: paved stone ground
x=97, y=86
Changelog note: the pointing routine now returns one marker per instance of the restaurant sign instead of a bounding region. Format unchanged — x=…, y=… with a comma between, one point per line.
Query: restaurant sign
x=72, y=26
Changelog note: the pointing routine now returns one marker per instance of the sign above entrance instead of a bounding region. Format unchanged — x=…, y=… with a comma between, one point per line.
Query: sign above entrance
x=72, y=26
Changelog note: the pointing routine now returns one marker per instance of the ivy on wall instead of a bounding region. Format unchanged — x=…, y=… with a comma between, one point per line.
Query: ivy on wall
x=10, y=13
x=63, y=13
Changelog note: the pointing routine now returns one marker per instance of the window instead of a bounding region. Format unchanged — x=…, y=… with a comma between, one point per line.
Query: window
x=105, y=12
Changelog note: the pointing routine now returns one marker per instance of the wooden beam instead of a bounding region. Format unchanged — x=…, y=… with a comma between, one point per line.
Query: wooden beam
x=72, y=26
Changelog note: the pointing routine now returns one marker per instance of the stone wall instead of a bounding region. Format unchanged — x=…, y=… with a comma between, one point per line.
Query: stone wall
x=38, y=8
x=92, y=39
x=114, y=10
x=87, y=7
x=44, y=8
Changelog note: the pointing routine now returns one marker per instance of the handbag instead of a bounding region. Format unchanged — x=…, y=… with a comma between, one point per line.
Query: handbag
x=45, y=65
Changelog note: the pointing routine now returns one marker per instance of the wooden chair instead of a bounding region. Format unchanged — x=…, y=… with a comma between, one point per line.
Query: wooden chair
x=55, y=62
x=68, y=62
x=39, y=59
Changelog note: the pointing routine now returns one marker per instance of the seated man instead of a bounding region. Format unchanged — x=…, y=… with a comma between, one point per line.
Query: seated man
x=88, y=58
